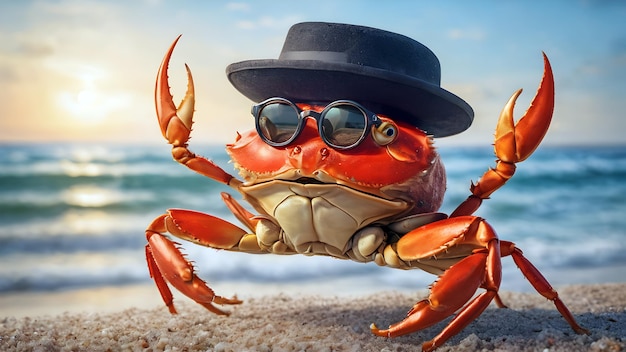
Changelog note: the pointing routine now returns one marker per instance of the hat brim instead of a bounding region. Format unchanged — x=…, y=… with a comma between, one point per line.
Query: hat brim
x=422, y=104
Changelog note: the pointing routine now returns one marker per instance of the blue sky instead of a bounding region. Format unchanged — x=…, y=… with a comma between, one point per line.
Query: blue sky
x=84, y=70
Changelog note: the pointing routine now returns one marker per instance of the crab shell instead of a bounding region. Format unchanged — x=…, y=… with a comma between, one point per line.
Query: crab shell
x=315, y=193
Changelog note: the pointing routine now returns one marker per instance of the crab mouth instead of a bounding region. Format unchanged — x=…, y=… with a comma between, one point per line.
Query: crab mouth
x=320, y=182
x=291, y=175
x=309, y=181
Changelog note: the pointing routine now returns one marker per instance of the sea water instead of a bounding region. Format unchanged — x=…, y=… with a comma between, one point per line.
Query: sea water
x=74, y=215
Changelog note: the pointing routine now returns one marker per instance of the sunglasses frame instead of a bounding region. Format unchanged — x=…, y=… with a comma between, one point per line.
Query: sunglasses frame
x=371, y=119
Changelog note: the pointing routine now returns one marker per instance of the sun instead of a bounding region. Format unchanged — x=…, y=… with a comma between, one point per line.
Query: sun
x=86, y=103
x=90, y=101
x=83, y=105
x=86, y=98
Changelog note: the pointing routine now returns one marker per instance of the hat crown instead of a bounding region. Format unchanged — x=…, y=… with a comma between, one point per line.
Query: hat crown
x=361, y=46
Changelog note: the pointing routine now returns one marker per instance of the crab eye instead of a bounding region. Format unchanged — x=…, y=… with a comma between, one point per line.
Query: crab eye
x=385, y=133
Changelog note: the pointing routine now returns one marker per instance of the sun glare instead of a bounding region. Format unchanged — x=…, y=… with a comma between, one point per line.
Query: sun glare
x=90, y=196
x=88, y=102
x=82, y=105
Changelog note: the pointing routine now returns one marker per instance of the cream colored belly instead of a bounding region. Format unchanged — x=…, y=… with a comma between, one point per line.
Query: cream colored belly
x=320, y=213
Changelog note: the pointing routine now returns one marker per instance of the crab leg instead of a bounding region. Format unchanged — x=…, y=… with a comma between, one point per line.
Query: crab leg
x=541, y=285
x=176, y=124
x=168, y=265
x=449, y=239
x=240, y=212
x=456, y=286
x=514, y=142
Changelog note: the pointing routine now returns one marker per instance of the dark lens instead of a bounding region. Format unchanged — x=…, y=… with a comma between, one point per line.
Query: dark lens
x=343, y=125
x=278, y=122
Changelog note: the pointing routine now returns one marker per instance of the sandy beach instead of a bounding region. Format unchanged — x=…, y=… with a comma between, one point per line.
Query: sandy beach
x=286, y=319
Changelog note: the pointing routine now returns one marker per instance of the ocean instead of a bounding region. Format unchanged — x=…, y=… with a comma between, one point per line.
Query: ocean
x=73, y=216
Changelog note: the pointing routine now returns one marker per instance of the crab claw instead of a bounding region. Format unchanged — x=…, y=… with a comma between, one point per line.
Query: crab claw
x=175, y=122
x=515, y=143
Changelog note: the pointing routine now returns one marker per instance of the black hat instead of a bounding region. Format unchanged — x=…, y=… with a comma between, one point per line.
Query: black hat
x=388, y=73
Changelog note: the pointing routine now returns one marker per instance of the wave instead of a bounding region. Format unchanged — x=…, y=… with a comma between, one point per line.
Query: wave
x=75, y=215
x=68, y=244
x=92, y=161
x=40, y=272
x=19, y=204
x=56, y=271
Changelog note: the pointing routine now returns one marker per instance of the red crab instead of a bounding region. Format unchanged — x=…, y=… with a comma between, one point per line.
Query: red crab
x=314, y=199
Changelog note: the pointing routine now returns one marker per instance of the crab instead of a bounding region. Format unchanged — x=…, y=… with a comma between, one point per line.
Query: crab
x=313, y=199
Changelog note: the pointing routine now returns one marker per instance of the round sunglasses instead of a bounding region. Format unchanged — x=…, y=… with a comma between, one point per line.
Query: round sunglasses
x=343, y=124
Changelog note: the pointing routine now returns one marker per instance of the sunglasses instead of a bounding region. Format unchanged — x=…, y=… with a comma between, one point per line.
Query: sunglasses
x=343, y=124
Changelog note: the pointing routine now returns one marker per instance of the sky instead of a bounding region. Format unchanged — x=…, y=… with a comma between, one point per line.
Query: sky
x=84, y=70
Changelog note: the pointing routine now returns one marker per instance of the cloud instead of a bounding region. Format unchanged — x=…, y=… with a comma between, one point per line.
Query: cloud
x=34, y=48
x=246, y=24
x=7, y=74
x=267, y=22
x=618, y=51
x=605, y=69
x=473, y=34
x=73, y=10
x=589, y=69
x=238, y=6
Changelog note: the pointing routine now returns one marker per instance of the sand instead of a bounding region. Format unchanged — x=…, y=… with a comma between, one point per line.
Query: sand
x=274, y=321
